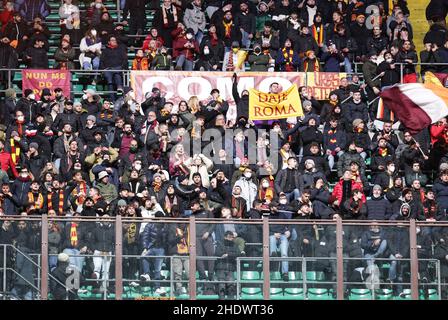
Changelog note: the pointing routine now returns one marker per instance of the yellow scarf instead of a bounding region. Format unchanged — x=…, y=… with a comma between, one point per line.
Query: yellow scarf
x=228, y=28
x=15, y=151
x=74, y=234
x=182, y=246
x=39, y=204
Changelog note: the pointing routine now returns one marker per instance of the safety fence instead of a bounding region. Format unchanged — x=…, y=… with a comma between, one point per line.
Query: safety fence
x=276, y=259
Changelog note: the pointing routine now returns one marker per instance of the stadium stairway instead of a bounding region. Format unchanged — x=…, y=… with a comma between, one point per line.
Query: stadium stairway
x=418, y=21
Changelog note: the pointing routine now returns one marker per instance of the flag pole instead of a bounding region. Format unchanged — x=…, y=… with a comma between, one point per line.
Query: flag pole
x=424, y=155
x=370, y=102
x=346, y=99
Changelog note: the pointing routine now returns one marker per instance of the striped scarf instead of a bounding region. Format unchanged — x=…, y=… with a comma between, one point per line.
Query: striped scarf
x=60, y=210
x=318, y=33
x=288, y=55
x=307, y=63
x=81, y=188
x=74, y=234
x=39, y=204
x=165, y=16
x=227, y=28
x=132, y=231
x=106, y=115
x=230, y=65
x=182, y=245
x=169, y=205
x=15, y=151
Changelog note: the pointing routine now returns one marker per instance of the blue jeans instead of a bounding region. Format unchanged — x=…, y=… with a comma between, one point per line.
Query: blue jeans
x=294, y=195
x=52, y=262
x=283, y=243
x=199, y=36
x=379, y=252
x=184, y=63
x=77, y=262
x=347, y=65
x=245, y=41
x=157, y=263
x=94, y=64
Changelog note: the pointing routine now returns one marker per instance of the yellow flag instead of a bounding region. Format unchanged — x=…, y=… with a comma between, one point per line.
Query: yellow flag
x=269, y=106
x=431, y=78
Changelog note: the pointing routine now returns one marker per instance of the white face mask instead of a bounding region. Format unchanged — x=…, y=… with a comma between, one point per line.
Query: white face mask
x=248, y=175
x=93, y=32
x=84, y=97
x=189, y=36
x=138, y=167
x=283, y=201
x=265, y=184
x=32, y=96
x=206, y=51
x=389, y=60
x=21, y=118
x=98, y=5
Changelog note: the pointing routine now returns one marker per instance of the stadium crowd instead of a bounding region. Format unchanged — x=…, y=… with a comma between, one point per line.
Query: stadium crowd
x=107, y=156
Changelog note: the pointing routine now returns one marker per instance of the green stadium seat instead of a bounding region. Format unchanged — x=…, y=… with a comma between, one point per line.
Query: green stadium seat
x=360, y=294
x=250, y=275
x=251, y=293
x=294, y=293
x=319, y=294
x=78, y=88
x=384, y=294
x=315, y=276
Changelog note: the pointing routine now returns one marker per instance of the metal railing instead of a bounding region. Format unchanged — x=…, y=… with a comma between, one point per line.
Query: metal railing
x=266, y=259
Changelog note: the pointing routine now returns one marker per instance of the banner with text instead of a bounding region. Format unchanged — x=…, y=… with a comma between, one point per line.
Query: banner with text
x=37, y=80
x=269, y=106
x=181, y=85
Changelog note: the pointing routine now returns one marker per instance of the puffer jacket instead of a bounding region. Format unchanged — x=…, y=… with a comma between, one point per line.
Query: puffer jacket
x=104, y=237
x=154, y=236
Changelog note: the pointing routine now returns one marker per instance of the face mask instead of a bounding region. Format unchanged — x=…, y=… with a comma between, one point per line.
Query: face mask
x=389, y=60
x=189, y=36
x=283, y=201
x=98, y=5
x=32, y=96
x=163, y=53
x=133, y=149
x=248, y=175
x=257, y=50
x=235, y=50
x=138, y=167
x=228, y=242
x=206, y=51
x=21, y=118
x=94, y=33
x=265, y=184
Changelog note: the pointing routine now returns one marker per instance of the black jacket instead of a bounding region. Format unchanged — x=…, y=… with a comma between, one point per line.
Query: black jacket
x=153, y=236
x=228, y=263
x=104, y=237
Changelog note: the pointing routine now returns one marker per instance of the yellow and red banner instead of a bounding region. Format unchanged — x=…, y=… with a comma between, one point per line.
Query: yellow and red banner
x=269, y=106
x=37, y=80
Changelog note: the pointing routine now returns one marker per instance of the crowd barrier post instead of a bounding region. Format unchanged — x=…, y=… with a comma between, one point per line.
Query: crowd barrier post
x=192, y=261
x=266, y=262
x=339, y=261
x=118, y=258
x=414, y=260
x=44, y=260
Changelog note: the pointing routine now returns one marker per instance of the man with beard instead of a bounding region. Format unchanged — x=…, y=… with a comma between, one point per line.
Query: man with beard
x=57, y=197
x=66, y=117
x=62, y=143
x=227, y=30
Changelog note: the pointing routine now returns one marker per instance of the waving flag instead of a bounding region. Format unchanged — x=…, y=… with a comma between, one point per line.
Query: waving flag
x=417, y=105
